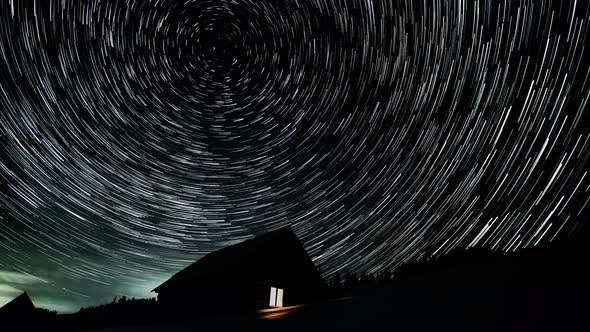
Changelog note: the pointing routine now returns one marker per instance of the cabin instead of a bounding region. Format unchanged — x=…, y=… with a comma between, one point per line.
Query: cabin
x=269, y=270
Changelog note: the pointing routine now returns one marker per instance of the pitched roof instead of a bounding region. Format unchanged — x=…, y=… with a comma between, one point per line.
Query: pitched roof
x=227, y=258
x=20, y=304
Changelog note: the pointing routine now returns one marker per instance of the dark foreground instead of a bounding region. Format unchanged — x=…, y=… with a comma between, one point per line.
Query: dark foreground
x=412, y=308
x=416, y=305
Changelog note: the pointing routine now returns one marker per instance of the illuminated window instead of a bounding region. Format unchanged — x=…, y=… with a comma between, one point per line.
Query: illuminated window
x=276, y=297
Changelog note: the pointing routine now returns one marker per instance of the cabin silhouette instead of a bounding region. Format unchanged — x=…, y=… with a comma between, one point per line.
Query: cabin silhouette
x=270, y=270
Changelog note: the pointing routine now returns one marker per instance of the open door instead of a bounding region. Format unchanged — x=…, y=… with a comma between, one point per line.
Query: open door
x=276, y=297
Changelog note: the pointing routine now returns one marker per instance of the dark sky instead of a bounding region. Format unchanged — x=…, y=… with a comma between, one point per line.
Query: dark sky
x=137, y=136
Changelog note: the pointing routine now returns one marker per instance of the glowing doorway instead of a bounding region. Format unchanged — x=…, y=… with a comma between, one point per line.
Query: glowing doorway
x=276, y=297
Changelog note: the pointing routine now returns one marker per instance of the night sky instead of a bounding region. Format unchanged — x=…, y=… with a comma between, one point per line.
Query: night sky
x=137, y=136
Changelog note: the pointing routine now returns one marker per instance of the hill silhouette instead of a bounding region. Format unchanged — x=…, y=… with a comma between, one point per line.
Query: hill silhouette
x=561, y=261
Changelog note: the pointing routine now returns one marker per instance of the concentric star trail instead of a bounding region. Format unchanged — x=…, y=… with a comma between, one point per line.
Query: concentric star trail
x=138, y=135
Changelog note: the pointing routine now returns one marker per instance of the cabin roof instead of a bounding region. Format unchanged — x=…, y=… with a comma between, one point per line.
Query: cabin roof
x=228, y=258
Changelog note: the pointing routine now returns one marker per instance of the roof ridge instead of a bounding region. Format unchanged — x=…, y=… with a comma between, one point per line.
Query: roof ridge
x=212, y=261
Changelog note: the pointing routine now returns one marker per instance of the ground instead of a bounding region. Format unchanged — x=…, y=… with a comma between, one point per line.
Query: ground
x=413, y=307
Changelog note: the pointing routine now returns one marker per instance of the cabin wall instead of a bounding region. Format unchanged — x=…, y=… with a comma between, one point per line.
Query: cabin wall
x=241, y=294
x=214, y=294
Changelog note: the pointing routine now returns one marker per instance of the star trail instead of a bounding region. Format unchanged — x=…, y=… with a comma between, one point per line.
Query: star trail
x=137, y=136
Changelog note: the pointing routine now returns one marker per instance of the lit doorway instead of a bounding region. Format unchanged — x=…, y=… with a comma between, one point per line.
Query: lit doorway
x=276, y=297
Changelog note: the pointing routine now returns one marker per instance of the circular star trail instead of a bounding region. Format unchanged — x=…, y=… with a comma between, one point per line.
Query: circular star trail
x=137, y=136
